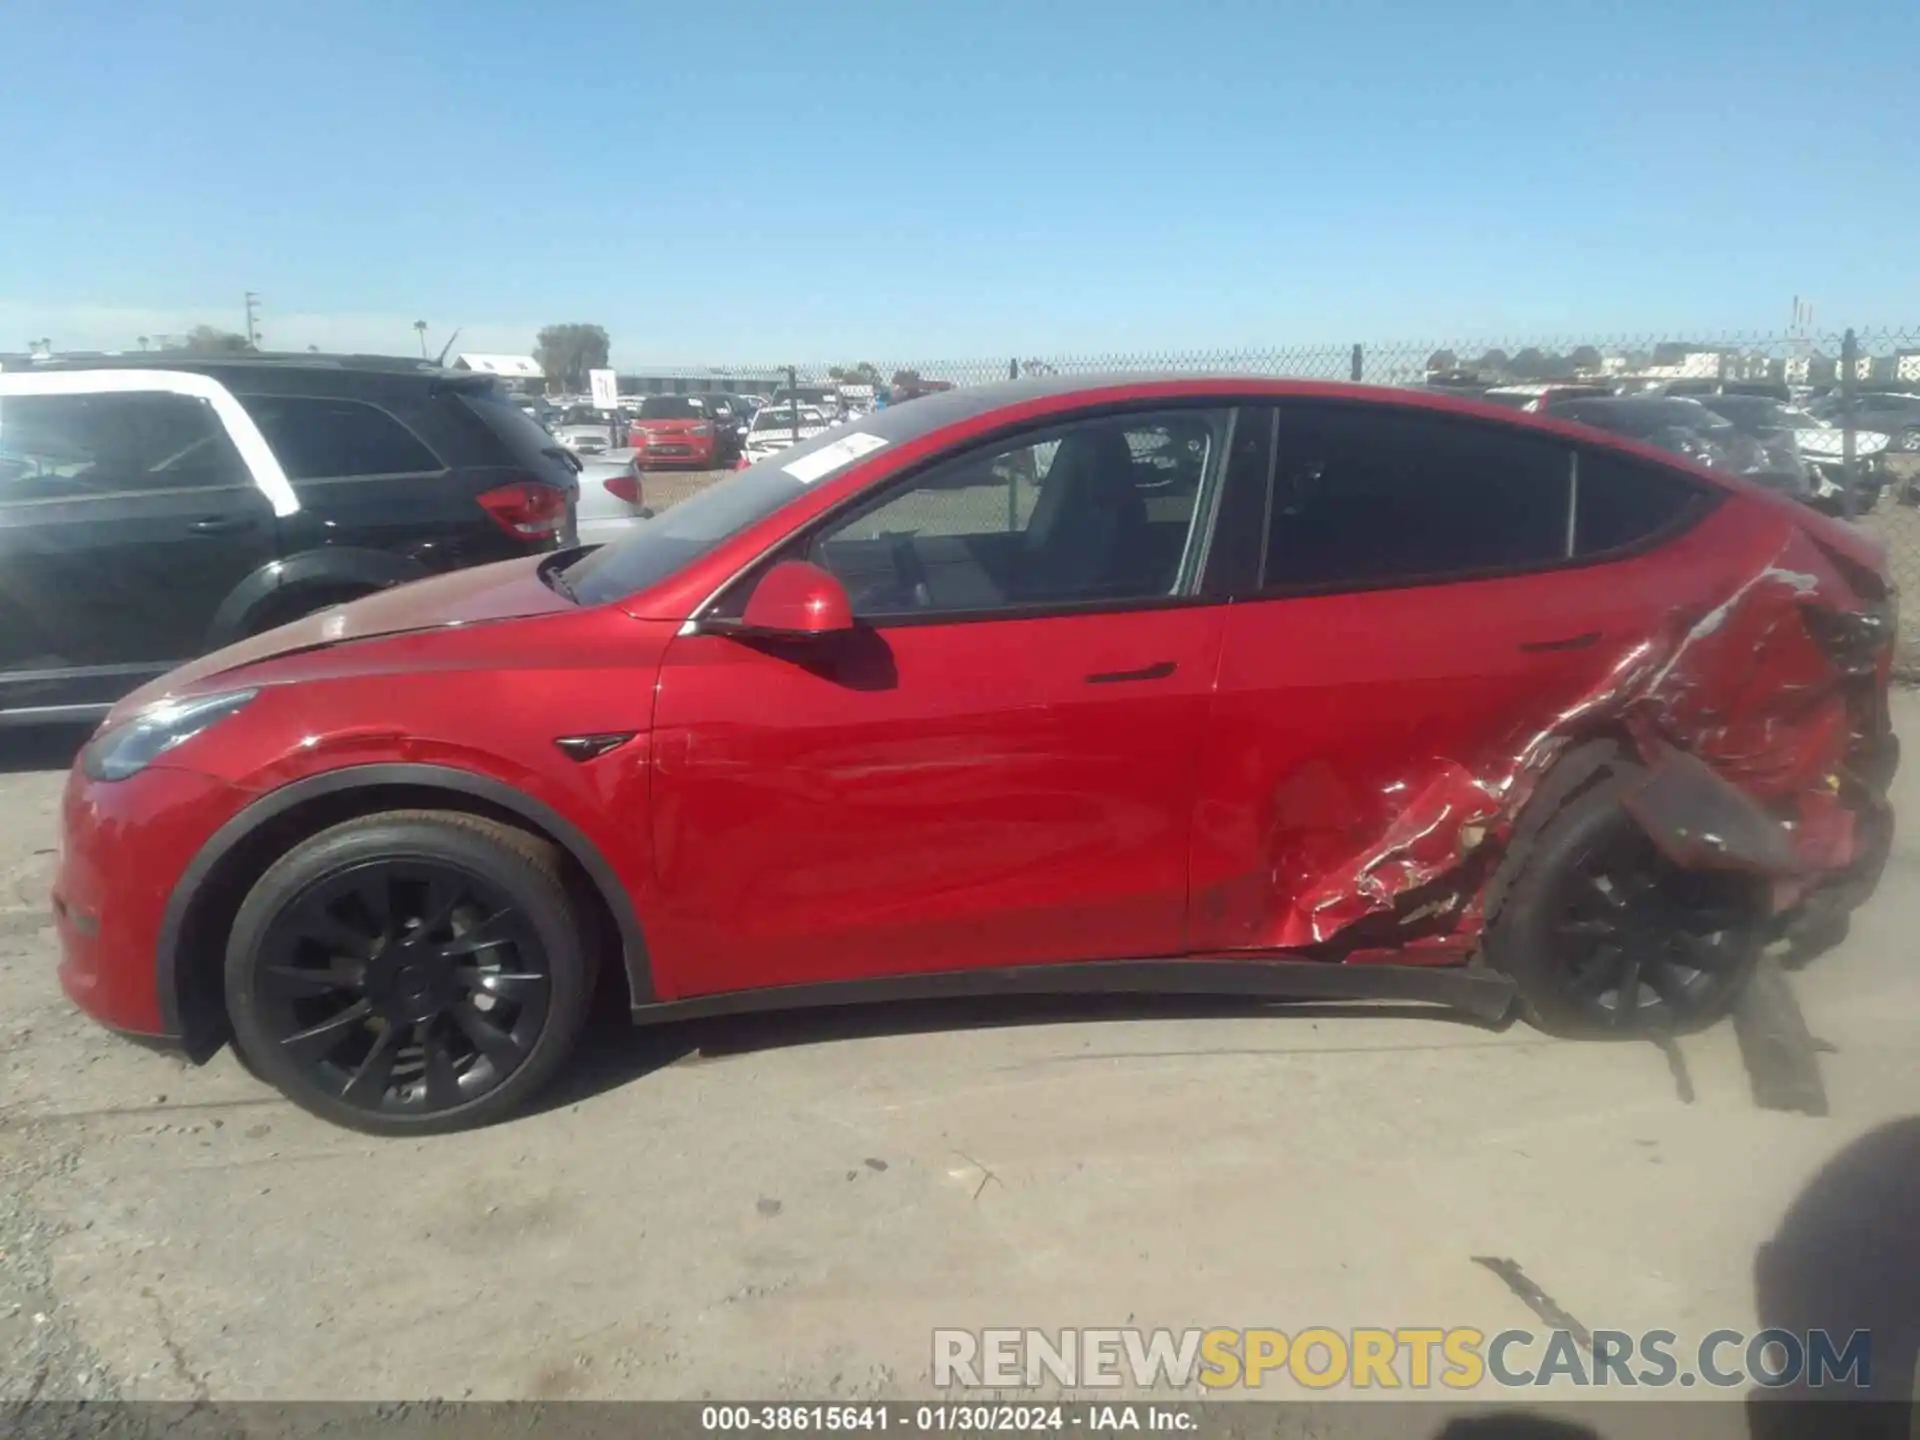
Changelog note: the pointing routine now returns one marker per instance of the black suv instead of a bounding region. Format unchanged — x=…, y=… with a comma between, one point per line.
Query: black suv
x=153, y=508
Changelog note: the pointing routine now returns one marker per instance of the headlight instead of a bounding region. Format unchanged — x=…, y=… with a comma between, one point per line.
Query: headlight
x=131, y=746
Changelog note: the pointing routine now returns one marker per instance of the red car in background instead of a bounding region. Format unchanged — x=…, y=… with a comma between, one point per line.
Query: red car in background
x=675, y=431
x=1221, y=686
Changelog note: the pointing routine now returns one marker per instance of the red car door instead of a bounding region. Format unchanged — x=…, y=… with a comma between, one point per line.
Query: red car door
x=996, y=769
x=1420, y=621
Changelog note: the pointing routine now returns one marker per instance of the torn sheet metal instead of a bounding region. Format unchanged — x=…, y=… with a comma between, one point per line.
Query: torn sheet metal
x=1740, y=715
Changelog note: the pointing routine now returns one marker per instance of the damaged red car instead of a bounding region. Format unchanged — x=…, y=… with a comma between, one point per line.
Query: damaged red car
x=1190, y=686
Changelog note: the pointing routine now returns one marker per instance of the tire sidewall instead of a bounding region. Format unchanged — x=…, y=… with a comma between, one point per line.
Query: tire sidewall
x=1521, y=943
x=541, y=900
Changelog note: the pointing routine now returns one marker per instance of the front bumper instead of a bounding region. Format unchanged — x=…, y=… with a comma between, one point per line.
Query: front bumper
x=124, y=846
x=674, y=452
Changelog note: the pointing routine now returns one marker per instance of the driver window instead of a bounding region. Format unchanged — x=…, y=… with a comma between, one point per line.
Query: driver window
x=65, y=447
x=1097, y=511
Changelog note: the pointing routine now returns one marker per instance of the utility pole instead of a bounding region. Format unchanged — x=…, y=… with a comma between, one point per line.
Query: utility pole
x=253, y=331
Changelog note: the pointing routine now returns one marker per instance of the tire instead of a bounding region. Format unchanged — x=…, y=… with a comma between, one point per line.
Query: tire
x=1595, y=916
x=410, y=973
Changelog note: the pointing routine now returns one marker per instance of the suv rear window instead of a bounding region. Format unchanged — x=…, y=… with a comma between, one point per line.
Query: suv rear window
x=318, y=439
x=528, y=442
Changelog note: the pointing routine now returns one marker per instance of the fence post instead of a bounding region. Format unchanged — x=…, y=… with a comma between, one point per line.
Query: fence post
x=793, y=403
x=1013, y=368
x=1849, y=363
x=1356, y=364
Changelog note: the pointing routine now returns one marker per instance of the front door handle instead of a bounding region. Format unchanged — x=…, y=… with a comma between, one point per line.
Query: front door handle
x=1566, y=642
x=220, y=525
x=1159, y=670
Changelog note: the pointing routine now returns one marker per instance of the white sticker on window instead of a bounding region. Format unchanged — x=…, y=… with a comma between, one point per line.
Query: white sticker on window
x=829, y=458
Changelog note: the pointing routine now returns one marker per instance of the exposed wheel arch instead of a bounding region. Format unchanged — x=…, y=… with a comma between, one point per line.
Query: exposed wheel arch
x=284, y=607
x=272, y=587
x=208, y=894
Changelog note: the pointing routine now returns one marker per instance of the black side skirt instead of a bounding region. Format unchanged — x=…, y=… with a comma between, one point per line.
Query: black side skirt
x=1482, y=993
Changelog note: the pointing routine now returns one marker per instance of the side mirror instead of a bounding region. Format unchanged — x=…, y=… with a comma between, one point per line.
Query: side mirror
x=798, y=599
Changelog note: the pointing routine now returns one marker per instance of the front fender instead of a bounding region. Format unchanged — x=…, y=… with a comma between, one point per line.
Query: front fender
x=171, y=963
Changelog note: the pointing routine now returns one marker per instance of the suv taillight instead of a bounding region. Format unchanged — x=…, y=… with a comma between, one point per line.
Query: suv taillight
x=625, y=487
x=526, y=508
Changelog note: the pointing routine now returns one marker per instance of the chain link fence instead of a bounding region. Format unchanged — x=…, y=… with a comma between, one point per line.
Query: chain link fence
x=1855, y=392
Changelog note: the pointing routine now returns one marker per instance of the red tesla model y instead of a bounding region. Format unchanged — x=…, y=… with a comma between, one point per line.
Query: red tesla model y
x=1228, y=686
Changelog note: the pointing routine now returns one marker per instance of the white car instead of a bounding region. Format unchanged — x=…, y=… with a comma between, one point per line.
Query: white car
x=776, y=427
x=584, y=430
x=612, y=497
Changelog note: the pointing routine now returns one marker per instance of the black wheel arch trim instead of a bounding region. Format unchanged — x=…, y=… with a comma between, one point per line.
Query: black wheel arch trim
x=326, y=566
x=167, y=962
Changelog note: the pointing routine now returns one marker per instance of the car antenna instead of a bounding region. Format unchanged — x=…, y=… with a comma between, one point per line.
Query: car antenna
x=440, y=360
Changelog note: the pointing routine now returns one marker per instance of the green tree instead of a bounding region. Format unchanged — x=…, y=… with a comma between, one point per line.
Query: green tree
x=1530, y=364
x=568, y=352
x=865, y=373
x=1495, y=360
x=1586, y=357
x=209, y=340
x=1442, y=360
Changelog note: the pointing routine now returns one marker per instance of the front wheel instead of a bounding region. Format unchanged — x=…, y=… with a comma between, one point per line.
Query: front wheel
x=1603, y=935
x=409, y=973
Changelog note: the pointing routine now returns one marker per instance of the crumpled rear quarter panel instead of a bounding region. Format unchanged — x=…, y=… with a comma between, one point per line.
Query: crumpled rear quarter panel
x=1705, y=671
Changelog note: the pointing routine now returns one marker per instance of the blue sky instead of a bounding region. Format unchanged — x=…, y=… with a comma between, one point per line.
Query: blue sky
x=955, y=178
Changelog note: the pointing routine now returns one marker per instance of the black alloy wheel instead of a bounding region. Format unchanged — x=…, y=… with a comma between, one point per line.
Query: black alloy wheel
x=1604, y=936
x=408, y=973
x=1643, y=944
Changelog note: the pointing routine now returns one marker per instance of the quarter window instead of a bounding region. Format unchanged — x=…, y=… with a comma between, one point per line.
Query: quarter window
x=1369, y=496
x=57, y=447
x=1624, y=501
x=324, y=439
x=1101, y=510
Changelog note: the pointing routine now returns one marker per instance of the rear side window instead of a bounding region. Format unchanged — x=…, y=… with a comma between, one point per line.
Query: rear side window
x=318, y=439
x=528, y=442
x=1368, y=496
x=1623, y=502
x=62, y=447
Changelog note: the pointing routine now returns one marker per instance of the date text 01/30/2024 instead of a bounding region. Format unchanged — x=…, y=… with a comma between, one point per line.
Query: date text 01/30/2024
x=949, y=1419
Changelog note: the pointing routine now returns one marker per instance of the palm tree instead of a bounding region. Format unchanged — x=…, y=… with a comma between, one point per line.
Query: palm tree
x=144, y=342
x=420, y=329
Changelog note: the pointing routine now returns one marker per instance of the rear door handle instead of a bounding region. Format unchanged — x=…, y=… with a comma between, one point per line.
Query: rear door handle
x=220, y=525
x=1159, y=670
x=1565, y=642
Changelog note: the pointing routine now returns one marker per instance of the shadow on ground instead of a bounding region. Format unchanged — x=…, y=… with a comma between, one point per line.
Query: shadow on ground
x=1847, y=1258
x=614, y=1052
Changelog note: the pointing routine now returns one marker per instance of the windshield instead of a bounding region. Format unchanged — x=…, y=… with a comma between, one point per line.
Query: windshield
x=583, y=415
x=671, y=407
x=806, y=395
x=1754, y=413
x=779, y=417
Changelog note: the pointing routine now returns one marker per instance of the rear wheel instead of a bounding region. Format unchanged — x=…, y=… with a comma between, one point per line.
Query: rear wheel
x=410, y=972
x=1603, y=935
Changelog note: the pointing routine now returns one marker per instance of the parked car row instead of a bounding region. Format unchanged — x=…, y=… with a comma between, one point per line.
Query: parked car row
x=1757, y=431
